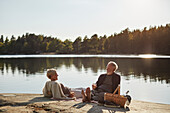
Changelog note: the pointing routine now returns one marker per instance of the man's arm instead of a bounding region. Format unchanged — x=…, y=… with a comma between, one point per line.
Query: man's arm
x=95, y=85
x=119, y=80
x=99, y=81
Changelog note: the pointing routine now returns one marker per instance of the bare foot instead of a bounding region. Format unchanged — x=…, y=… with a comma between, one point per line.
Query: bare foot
x=71, y=94
x=83, y=96
x=88, y=93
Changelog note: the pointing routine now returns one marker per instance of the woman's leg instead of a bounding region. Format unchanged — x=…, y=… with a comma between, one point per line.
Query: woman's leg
x=66, y=90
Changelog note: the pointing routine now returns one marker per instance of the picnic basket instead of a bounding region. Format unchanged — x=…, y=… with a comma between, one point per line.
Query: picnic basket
x=116, y=98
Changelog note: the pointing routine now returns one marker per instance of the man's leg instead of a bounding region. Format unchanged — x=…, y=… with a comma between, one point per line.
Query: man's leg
x=84, y=97
x=88, y=93
x=77, y=92
x=101, y=97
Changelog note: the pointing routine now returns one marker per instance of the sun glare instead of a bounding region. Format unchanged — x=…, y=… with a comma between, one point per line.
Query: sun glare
x=147, y=56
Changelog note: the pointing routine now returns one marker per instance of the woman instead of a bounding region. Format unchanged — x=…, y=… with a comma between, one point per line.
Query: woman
x=54, y=89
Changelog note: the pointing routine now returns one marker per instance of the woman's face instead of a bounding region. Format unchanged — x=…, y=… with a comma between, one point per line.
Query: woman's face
x=55, y=77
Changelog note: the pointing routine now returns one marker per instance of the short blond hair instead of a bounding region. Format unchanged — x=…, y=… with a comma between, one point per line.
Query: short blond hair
x=51, y=72
x=113, y=64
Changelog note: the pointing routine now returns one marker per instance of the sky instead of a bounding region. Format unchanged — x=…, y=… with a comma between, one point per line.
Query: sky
x=69, y=19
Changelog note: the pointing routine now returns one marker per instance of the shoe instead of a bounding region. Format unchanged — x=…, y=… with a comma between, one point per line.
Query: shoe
x=110, y=104
x=88, y=93
x=100, y=104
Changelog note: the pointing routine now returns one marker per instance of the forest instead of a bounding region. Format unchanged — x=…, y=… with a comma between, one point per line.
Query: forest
x=155, y=40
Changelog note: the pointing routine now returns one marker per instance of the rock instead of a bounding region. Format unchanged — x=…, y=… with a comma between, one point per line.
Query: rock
x=36, y=103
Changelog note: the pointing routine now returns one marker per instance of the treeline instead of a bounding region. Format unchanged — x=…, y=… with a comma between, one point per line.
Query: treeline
x=155, y=40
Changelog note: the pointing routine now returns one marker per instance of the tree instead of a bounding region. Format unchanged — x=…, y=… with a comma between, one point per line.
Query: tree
x=2, y=39
x=106, y=46
x=1, y=48
x=44, y=47
x=94, y=44
x=102, y=41
x=68, y=48
x=85, y=45
x=52, y=46
x=11, y=45
x=77, y=45
x=60, y=46
x=155, y=40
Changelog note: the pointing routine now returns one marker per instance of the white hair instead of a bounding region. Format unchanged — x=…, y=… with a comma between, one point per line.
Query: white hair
x=113, y=64
x=51, y=72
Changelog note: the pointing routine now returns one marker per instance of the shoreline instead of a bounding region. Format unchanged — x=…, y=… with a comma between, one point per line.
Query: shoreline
x=131, y=56
x=24, y=102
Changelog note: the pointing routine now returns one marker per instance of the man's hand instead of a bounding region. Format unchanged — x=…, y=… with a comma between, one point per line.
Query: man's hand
x=94, y=86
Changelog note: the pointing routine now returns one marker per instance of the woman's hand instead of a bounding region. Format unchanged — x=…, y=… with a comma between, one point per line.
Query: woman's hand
x=71, y=94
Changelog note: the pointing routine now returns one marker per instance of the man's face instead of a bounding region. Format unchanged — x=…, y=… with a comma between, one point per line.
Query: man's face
x=110, y=69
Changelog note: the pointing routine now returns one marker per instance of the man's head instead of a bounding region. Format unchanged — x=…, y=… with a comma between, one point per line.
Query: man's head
x=111, y=67
x=52, y=74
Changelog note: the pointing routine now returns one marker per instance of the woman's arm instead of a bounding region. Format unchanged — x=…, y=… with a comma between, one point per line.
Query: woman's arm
x=57, y=92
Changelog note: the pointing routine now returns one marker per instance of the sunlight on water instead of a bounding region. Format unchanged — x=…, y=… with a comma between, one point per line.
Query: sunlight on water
x=85, y=56
x=148, y=56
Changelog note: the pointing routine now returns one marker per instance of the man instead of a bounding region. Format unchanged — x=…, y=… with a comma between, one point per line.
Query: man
x=106, y=83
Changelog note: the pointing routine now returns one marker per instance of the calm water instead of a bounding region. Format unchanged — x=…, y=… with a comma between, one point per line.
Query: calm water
x=146, y=79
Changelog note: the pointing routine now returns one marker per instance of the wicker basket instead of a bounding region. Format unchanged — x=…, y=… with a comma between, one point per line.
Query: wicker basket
x=116, y=98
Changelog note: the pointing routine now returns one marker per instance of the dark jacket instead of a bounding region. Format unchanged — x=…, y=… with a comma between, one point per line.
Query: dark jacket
x=115, y=80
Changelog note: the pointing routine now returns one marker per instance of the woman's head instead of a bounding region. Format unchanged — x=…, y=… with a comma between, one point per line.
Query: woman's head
x=52, y=74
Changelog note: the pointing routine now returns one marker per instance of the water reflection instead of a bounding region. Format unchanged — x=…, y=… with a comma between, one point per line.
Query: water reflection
x=152, y=69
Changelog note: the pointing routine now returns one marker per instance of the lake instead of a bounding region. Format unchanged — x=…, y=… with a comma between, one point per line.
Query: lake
x=147, y=77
